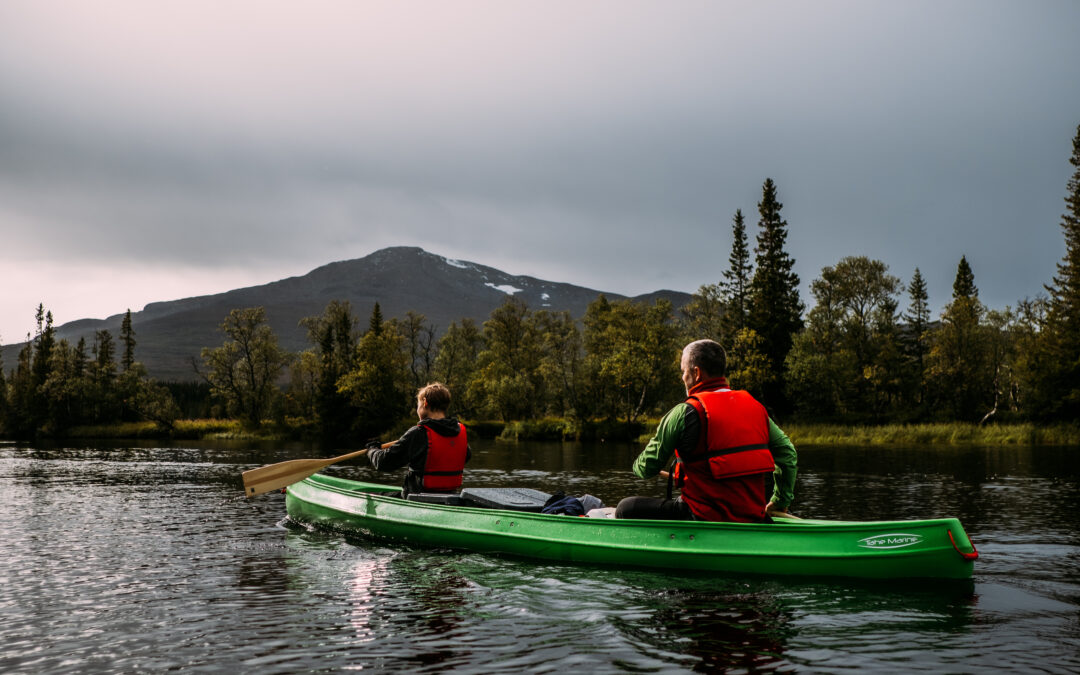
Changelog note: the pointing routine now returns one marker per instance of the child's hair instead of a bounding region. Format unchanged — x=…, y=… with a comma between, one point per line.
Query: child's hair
x=435, y=397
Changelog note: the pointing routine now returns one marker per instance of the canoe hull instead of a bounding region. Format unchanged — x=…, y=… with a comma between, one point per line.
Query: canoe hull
x=880, y=550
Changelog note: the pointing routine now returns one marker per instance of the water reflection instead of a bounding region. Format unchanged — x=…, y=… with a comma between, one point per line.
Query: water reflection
x=403, y=597
x=365, y=578
x=718, y=631
x=135, y=558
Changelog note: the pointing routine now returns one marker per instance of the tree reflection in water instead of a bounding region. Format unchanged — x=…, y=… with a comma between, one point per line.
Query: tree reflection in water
x=720, y=631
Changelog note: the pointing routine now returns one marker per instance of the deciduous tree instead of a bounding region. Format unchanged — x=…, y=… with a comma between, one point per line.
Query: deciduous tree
x=562, y=362
x=509, y=374
x=419, y=336
x=244, y=370
x=633, y=354
x=456, y=364
x=843, y=363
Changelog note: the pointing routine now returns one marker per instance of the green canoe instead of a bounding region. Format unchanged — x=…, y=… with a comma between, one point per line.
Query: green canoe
x=878, y=550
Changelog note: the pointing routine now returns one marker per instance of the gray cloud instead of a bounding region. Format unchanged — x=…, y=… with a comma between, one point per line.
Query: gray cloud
x=600, y=143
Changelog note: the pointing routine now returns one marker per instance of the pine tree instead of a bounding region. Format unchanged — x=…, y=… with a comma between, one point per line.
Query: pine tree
x=917, y=318
x=1065, y=291
x=105, y=353
x=375, y=323
x=964, y=288
x=959, y=355
x=1058, y=389
x=775, y=310
x=918, y=314
x=80, y=358
x=915, y=345
x=377, y=384
x=44, y=344
x=736, y=284
x=335, y=344
x=127, y=338
x=3, y=395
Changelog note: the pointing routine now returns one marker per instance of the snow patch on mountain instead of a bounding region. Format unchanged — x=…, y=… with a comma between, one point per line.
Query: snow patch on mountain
x=505, y=288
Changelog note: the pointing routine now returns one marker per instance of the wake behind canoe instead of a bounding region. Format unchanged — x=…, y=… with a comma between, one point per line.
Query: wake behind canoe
x=937, y=548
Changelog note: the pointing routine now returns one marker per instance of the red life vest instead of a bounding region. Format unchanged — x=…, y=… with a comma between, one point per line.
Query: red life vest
x=445, y=460
x=722, y=478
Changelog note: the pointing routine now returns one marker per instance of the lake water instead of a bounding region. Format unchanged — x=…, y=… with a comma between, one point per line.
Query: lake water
x=126, y=559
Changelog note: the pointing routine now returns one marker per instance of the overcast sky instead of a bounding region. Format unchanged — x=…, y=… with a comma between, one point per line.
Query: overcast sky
x=158, y=150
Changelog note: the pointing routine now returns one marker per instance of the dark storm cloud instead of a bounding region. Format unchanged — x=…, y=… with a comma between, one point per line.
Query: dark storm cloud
x=606, y=144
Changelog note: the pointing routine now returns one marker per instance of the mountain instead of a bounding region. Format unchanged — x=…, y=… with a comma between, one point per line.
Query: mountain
x=170, y=334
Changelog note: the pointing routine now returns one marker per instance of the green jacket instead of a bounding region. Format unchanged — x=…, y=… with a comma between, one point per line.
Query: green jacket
x=680, y=428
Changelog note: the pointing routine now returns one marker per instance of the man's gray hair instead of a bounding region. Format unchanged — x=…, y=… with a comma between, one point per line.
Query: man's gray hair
x=707, y=355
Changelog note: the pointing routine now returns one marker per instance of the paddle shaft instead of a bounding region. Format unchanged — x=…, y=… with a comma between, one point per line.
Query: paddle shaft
x=276, y=476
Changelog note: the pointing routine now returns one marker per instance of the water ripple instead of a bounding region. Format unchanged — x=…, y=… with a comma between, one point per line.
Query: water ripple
x=148, y=559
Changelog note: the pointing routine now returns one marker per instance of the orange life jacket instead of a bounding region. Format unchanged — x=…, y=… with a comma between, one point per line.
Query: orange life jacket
x=733, y=444
x=445, y=460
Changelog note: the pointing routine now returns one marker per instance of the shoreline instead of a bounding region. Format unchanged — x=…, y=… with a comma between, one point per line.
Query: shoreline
x=555, y=430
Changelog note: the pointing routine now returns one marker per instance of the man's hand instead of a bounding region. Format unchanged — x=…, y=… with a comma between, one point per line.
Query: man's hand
x=774, y=511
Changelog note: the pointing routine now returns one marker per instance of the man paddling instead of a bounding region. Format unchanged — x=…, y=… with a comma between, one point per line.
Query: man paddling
x=723, y=442
x=435, y=450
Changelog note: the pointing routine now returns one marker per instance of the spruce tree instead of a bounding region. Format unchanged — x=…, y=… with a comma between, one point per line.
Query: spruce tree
x=377, y=384
x=127, y=338
x=736, y=283
x=918, y=314
x=775, y=310
x=44, y=342
x=3, y=395
x=80, y=358
x=918, y=323
x=959, y=356
x=44, y=345
x=375, y=323
x=964, y=284
x=1061, y=341
x=335, y=344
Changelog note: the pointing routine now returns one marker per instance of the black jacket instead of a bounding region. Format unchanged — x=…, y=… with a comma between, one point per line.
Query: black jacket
x=411, y=450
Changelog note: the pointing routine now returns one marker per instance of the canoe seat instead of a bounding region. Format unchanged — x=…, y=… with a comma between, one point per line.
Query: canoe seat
x=448, y=498
x=511, y=499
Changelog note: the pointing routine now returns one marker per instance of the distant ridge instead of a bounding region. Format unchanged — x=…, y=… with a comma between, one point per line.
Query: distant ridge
x=400, y=279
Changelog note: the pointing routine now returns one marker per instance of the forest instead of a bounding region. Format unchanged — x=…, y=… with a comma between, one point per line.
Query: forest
x=867, y=352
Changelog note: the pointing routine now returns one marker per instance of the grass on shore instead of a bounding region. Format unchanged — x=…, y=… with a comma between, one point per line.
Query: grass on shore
x=202, y=429
x=943, y=433
x=557, y=429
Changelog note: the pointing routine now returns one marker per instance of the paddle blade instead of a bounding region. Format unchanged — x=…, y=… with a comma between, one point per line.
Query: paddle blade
x=284, y=474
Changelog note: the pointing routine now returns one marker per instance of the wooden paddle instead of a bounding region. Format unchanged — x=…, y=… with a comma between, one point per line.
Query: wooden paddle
x=771, y=513
x=282, y=474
